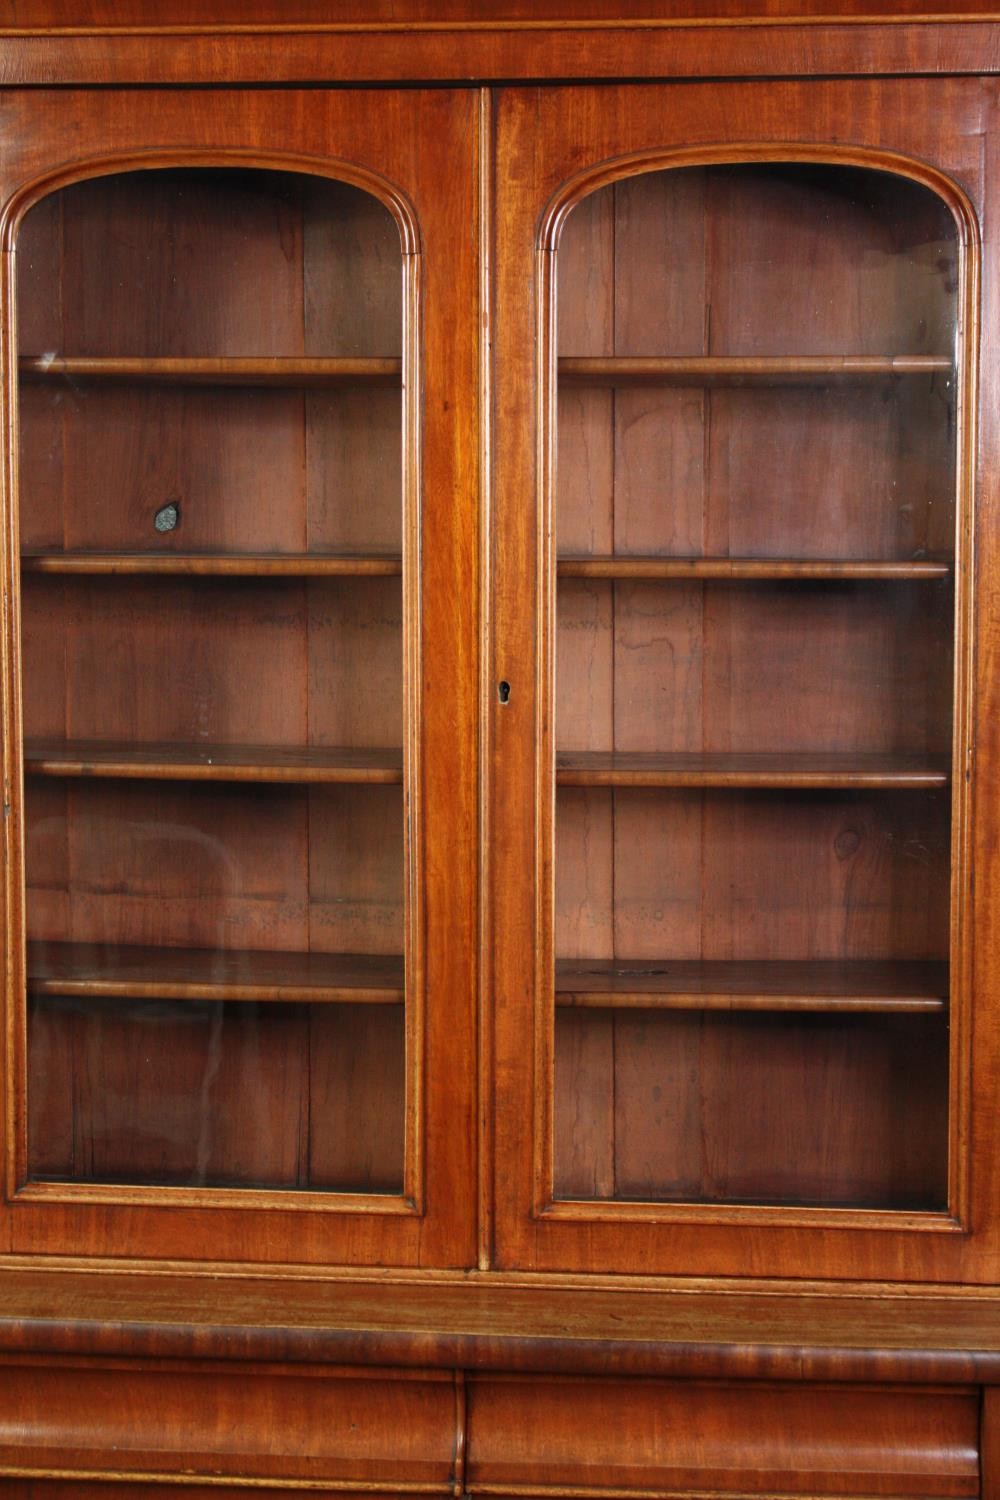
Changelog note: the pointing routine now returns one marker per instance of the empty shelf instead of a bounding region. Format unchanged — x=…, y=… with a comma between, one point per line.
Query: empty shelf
x=790, y=769
x=222, y=565
x=112, y=970
x=750, y=568
x=699, y=369
x=212, y=371
x=822, y=985
x=252, y=763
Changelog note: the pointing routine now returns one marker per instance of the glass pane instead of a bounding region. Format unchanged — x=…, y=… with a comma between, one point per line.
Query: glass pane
x=755, y=524
x=212, y=632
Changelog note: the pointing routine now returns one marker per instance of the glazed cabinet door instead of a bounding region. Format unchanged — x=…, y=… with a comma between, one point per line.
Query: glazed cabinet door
x=241, y=407
x=742, y=978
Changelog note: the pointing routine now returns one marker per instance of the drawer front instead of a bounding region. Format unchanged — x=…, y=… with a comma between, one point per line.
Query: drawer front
x=377, y=1431
x=622, y=1437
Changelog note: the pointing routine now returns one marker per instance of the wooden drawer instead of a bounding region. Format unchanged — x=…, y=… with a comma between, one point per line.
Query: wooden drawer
x=622, y=1437
x=111, y=1489
x=378, y=1430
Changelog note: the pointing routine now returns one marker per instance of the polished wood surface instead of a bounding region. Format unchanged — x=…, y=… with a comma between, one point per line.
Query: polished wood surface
x=484, y=1434
x=268, y=372
x=494, y=1321
x=652, y=675
x=641, y=1437
x=730, y=985
x=47, y=15
x=790, y=39
x=681, y=768
x=211, y=974
x=307, y=1426
x=764, y=819
x=688, y=370
x=294, y=478
x=255, y=763
x=221, y=565
x=745, y=568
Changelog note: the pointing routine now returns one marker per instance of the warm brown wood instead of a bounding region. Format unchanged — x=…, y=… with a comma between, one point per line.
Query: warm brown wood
x=205, y=371
x=223, y=565
x=938, y=38
x=301, y=1427
x=312, y=15
x=494, y=1321
x=696, y=1439
x=989, y=1451
x=679, y=769
x=629, y=664
x=739, y=829
x=288, y=1097
x=676, y=1139
x=748, y=568
x=211, y=974
x=235, y=264
x=723, y=271
x=777, y=369
x=728, y=985
x=254, y=763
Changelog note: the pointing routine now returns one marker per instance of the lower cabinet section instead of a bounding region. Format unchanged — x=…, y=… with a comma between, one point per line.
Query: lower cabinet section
x=87, y=1431
x=625, y=1437
x=383, y=1431
x=76, y=1489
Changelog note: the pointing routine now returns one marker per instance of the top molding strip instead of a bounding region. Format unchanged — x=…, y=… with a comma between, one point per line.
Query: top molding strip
x=500, y=51
x=986, y=17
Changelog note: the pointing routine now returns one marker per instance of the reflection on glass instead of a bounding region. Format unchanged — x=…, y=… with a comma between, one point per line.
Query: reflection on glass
x=755, y=522
x=211, y=526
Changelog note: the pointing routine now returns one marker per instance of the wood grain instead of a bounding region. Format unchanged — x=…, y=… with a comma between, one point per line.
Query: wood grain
x=302, y=1429
x=789, y=769
x=779, y=473
x=791, y=1331
x=678, y=46
x=737, y=568
x=678, y=1138
x=82, y=969
x=286, y=371
x=207, y=565
x=733, y=369
x=292, y=275
x=869, y=986
x=253, y=763
x=686, y=1438
x=756, y=688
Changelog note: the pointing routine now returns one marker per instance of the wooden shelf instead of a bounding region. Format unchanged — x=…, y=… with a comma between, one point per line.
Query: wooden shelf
x=750, y=568
x=794, y=770
x=251, y=763
x=110, y=970
x=211, y=371
x=697, y=369
x=229, y=565
x=769, y=986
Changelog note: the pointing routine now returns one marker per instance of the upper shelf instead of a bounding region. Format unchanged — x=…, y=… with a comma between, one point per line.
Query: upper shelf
x=175, y=762
x=231, y=565
x=751, y=568
x=234, y=371
x=710, y=369
x=801, y=770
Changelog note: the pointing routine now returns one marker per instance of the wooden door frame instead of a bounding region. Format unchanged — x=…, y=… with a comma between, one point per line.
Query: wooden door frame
x=557, y=145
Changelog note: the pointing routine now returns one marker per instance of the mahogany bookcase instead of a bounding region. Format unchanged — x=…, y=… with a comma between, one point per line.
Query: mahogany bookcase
x=500, y=752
